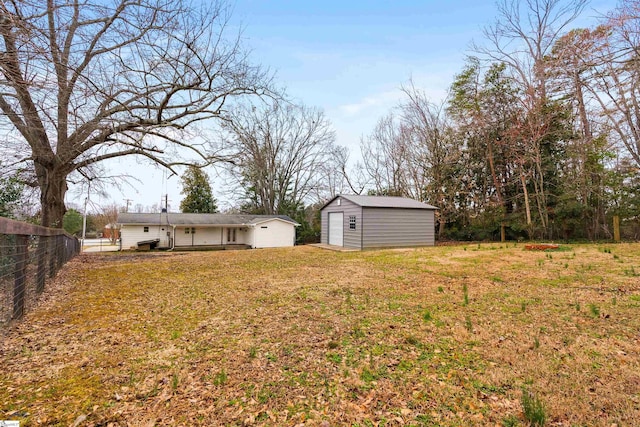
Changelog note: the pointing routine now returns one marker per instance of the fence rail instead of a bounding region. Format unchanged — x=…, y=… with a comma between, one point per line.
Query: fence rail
x=29, y=255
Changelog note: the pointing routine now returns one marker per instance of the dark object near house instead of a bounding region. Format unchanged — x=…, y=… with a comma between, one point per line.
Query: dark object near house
x=364, y=222
x=147, y=245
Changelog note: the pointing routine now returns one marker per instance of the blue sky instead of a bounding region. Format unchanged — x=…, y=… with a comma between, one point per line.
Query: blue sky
x=348, y=58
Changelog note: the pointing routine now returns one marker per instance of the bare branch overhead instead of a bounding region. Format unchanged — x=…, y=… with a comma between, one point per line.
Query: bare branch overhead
x=82, y=82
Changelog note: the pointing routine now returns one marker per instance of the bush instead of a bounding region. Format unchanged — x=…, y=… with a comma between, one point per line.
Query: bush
x=534, y=411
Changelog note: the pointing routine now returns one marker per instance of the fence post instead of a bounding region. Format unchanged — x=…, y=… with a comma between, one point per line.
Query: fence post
x=42, y=263
x=20, y=275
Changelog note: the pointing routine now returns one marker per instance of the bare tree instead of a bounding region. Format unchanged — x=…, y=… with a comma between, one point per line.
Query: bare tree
x=524, y=33
x=385, y=155
x=433, y=152
x=279, y=152
x=411, y=153
x=339, y=177
x=522, y=37
x=108, y=219
x=573, y=66
x=86, y=81
x=615, y=74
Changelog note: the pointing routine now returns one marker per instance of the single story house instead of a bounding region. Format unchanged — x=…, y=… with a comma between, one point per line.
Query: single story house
x=186, y=230
x=364, y=222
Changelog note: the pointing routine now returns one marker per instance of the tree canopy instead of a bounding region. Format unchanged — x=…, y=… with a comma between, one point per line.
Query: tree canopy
x=10, y=194
x=197, y=191
x=72, y=221
x=539, y=137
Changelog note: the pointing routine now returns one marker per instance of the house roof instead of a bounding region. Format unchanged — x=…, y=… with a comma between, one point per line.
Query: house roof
x=383, y=202
x=198, y=219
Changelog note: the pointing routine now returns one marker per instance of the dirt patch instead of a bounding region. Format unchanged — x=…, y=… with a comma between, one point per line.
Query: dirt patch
x=542, y=247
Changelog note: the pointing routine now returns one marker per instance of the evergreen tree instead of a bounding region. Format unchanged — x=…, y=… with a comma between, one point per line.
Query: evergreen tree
x=10, y=194
x=197, y=192
x=72, y=221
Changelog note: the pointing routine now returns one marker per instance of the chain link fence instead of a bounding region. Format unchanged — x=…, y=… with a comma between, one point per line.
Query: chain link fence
x=29, y=256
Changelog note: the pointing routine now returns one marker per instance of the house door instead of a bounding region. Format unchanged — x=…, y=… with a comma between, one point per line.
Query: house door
x=336, y=223
x=165, y=238
x=231, y=235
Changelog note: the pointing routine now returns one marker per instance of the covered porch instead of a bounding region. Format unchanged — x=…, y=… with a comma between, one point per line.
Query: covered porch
x=211, y=237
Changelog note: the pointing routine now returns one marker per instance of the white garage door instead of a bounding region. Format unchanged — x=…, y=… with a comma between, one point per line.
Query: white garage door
x=335, y=228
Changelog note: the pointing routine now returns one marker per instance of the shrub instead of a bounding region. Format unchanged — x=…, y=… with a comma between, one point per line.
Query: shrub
x=533, y=408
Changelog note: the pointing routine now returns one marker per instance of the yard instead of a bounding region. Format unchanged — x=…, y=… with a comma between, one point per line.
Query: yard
x=482, y=334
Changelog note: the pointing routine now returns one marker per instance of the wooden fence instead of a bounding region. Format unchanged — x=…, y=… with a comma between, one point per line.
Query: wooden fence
x=29, y=255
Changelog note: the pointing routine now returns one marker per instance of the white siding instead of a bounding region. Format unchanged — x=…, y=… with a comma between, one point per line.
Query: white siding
x=204, y=236
x=132, y=234
x=183, y=239
x=268, y=234
x=273, y=234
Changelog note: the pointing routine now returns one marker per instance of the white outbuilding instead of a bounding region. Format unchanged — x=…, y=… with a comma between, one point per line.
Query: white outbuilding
x=186, y=230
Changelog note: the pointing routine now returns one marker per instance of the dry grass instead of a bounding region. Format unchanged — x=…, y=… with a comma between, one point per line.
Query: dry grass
x=306, y=336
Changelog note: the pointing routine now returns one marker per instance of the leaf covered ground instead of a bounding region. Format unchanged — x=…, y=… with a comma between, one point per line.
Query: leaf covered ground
x=302, y=336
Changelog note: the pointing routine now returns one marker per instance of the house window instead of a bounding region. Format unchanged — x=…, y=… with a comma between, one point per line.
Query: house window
x=193, y=230
x=145, y=229
x=186, y=230
x=352, y=222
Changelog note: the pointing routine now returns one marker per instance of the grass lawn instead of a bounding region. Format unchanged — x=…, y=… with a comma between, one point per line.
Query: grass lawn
x=482, y=334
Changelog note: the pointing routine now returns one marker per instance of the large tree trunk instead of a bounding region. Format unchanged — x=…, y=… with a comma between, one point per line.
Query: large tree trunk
x=53, y=187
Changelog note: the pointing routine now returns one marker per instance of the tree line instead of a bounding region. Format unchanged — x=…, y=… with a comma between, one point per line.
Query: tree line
x=539, y=136
x=540, y=132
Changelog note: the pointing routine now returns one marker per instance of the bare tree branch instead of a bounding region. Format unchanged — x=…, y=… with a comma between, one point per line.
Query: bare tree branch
x=279, y=150
x=82, y=82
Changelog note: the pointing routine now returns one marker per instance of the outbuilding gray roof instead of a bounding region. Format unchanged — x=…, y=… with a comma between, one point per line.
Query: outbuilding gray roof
x=197, y=219
x=384, y=202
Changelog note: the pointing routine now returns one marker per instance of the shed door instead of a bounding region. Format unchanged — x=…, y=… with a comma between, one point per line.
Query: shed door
x=336, y=221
